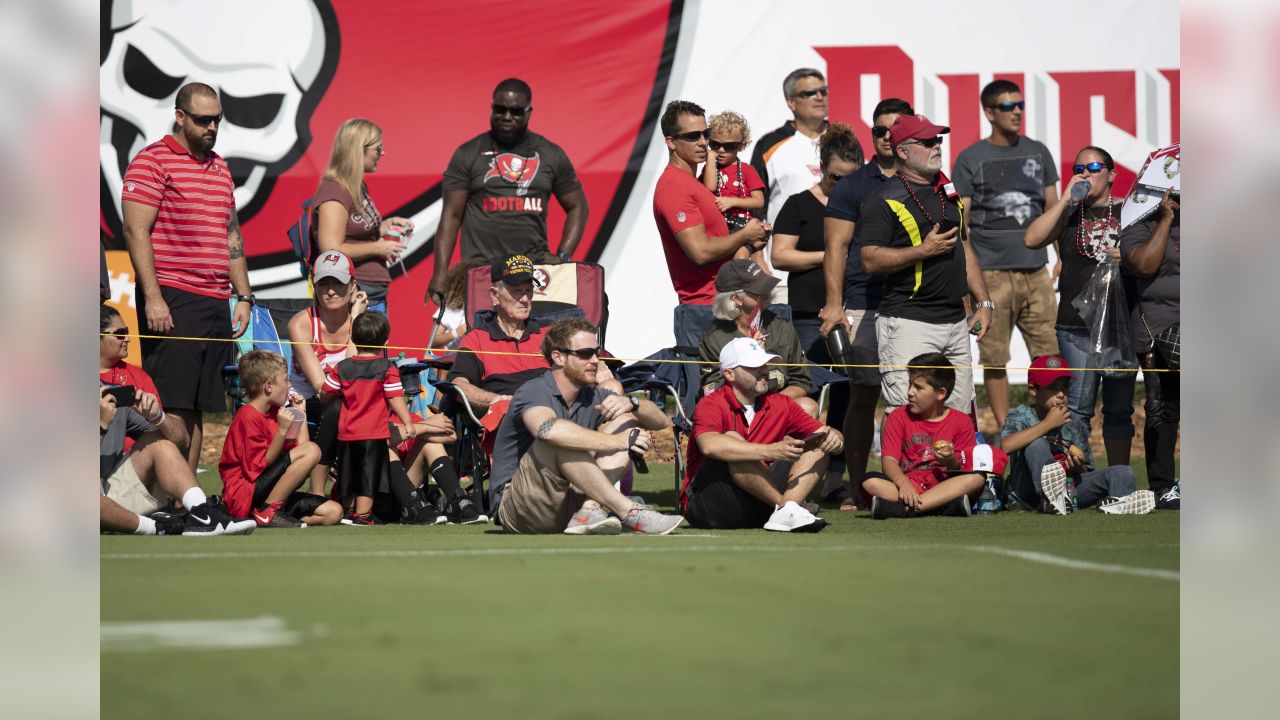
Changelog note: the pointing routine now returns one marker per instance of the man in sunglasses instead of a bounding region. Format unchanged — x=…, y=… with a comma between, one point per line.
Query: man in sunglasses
x=787, y=158
x=183, y=235
x=1006, y=181
x=565, y=442
x=498, y=189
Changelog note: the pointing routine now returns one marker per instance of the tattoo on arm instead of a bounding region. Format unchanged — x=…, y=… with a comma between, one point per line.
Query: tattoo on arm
x=235, y=243
x=545, y=428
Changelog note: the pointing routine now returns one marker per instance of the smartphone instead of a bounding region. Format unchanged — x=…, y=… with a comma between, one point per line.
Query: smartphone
x=946, y=225
x=814, y=439
x=125, y=395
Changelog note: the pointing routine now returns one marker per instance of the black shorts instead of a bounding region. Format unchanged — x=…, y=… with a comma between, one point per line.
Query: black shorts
x=266, y=481
x=188, y=373
x=717, y=503
x=362, y=468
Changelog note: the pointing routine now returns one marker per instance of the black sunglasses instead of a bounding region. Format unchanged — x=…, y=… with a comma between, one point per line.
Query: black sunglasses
x=122, y=333
x=1009, y=106
x=814, y=91
x=1092, y=167
x=512, y=111
x=718, y=146
x=203, y=120
x=582, y=353
x=931, y=143
x=879, y=131
x=692, y=135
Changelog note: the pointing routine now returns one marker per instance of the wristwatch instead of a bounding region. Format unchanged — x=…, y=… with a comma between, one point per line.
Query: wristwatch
x=247, y=298
x=985, y=304
x=635, y=403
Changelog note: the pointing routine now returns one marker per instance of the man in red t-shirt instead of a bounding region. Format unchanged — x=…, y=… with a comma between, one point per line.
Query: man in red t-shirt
x=695, y=238
x=739, y=432
x=183, y=236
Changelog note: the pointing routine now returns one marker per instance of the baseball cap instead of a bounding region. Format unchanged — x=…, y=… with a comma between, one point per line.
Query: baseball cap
x=738, y=275
x=512, y=269
x=334, y=264
x=744, y=352
x=983, y=458
x=1045, y=369
x=914, y=127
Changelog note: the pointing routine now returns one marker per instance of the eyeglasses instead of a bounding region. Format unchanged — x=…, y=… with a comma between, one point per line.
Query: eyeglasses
x=726, y=146
x=375, y=146
x=930, y=143
x=582, y=353
x=122, y=333
x=1092, y=167
x=516, y=112
x=823, y=91
x=203, y=120
x=692, y=135
x=879, y=131
x=1009, y=106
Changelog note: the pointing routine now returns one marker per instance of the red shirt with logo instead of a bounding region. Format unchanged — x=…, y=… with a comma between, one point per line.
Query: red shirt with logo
x=365, y=383
x=777, y=416
x=194, y=203
x=244, y=455
x=681, y=201
x=731, y=188
x=494, y=361
x=909, y=438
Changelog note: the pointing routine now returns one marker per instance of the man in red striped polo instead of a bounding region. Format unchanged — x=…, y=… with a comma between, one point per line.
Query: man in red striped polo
x=184, y=240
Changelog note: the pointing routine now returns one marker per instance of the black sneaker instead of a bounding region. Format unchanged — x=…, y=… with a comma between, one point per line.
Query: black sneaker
x=461, y=511
x=1170, y=500
x=274, y=518
x=360, y=520
x=422, y=515
x=882, y=509
x=212, y=518
x=960, y=507
x=168, y=524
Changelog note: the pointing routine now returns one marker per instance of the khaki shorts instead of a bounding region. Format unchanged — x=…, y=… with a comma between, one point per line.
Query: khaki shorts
x=537, y=501
x=864, y=348
x=126, y=488
x=1023, y=299
x=902, y=339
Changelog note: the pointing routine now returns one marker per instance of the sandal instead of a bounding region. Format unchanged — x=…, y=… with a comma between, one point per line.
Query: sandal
x=848, y=505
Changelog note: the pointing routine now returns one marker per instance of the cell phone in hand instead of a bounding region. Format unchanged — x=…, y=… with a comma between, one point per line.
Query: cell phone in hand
x=946, y=224
x=814, y=439
x=125, y=395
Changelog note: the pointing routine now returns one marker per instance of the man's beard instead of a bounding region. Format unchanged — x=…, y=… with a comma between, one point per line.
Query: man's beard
x=200, y=143
x=578, y=376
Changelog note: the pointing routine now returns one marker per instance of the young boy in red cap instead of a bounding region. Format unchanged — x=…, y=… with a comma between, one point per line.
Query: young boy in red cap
x=1045, y=449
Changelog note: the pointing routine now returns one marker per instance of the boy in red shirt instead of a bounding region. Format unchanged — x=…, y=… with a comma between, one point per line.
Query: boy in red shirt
x=923, y=445
x=369, y=385
x=263, y=461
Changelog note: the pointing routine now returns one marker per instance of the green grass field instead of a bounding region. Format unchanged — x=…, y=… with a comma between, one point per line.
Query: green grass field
x=1011, y=615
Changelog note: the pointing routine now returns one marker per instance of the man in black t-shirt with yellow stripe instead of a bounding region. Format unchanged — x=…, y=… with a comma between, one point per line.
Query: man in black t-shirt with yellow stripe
x=912, y=230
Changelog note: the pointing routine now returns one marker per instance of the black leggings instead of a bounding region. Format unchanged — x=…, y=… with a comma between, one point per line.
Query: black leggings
x=322, y=422
x=1160, y=436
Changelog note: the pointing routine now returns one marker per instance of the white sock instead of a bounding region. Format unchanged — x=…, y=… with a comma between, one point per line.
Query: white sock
x=146, y=526
x=193, y=498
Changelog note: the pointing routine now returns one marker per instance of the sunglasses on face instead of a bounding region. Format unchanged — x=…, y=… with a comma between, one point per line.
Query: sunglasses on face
x=814, y=91
x=203, y=120
x=512, y=111
x=1092, y=167
x=930, y=143
x=122, y=333
x=375, y=146
x=692, y=135
x=725, y=146
x=879, y=131
x=582, y=353
x=1009, y=106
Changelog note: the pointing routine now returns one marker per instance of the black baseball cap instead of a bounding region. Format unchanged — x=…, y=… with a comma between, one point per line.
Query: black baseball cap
x=512, y=269
x=738, y=275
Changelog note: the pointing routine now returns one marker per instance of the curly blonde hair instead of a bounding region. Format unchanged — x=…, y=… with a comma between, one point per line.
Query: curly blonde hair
x=728, y=121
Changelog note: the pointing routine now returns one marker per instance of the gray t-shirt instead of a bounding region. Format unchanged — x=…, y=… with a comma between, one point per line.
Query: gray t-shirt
x=514, y=439
x=1159, y=297
x=1006, y=185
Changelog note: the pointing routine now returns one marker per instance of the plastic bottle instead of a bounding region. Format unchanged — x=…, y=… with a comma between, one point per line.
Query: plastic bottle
x=1080, y=191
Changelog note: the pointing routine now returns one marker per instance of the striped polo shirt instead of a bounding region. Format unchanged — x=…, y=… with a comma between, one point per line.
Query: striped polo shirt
x=194, y=202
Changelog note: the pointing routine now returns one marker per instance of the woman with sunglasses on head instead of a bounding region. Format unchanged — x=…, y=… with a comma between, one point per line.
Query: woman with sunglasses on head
x=344, y=217
x=798, y=248
x=1086, y=233
x=737, y=186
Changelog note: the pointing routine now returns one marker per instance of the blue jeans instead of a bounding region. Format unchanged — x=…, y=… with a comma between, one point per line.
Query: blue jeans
x=1091, y=486
x=1117, y=392
x=815, y=348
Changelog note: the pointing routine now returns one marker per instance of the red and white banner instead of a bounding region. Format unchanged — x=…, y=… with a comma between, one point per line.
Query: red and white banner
x=291, y=71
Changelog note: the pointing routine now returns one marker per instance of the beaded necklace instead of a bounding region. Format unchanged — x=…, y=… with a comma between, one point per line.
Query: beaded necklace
x=1091, y=243
x=720, y=181
x=942, y=200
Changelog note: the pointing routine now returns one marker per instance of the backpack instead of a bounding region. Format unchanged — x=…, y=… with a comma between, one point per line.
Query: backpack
x=303, y=241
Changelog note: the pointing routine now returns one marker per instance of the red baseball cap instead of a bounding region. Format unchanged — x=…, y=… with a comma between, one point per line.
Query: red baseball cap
x=914, y=127
x=1045, y=369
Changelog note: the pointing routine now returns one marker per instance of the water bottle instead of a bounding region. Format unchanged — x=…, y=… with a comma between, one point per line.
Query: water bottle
x=838, y=348
x=1080, y=190
x=989, y=503
x=1071, y=493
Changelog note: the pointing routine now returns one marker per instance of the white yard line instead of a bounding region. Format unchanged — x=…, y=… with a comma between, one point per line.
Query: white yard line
x=259, y=632
x=1047, y=559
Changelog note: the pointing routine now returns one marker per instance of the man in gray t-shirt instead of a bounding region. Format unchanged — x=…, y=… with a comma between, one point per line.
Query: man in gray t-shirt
x=1005, y=182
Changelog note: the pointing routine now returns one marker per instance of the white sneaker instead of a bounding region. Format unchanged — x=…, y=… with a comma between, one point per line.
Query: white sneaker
x=1053, y=486
x=1136, y=503
x=793, y=518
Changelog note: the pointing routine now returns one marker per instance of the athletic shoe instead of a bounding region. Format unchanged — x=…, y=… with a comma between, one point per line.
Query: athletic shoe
x=791, y=517
x=463, y=512
x=168, y=524
x=593, y=520
x=1053, y=486
x=211, y=518
x=274, y=518
x=359, y=520
x=650, y=522
x=882, y=509
x=960, y=507
x=1170, y=500
x=1136, y=503
x=422, y=515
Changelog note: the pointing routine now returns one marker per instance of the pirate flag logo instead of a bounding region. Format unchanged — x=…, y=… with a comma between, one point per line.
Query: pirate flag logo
x=515, y=169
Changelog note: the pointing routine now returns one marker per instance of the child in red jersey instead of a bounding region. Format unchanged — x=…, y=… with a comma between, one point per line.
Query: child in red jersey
x=369, y=385
x=921, y=447
x=737, y=186
x=267, y=456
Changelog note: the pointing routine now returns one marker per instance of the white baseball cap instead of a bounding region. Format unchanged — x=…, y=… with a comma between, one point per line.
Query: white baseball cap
x=332, y=264
x=745, y=352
